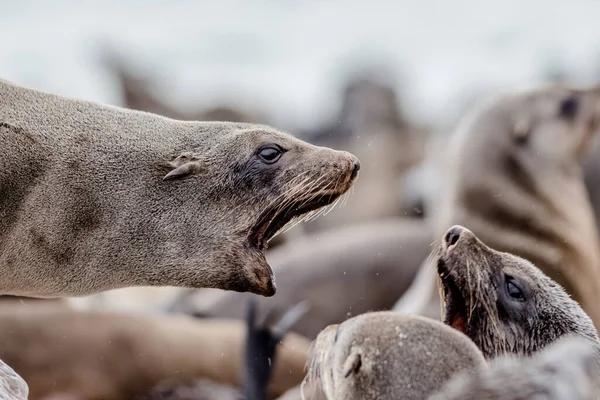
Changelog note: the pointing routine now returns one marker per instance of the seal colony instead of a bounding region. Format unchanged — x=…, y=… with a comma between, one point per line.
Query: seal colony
x=515, y=179
x=497, y=307
x=97, y=197
x=103, y=355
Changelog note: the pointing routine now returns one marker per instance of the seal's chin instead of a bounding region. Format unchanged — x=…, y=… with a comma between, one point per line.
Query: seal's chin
x=454, y=305
x=275, y=218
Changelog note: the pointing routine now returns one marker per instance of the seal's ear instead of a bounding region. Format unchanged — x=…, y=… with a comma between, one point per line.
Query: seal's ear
x=521, y=130
x=184, y=165
x=352, y=364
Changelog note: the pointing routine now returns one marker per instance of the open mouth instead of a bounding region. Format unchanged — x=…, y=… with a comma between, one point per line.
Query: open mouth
x=274, y=219
x=455, y=307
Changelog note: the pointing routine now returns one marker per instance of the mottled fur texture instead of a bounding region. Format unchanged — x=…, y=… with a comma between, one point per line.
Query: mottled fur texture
x=12, y=386
x=504, y=303
x=565, y=370
x=514, y=177
x=93, y=355
x=341, y=273
x=389, y=356
x=97, y=197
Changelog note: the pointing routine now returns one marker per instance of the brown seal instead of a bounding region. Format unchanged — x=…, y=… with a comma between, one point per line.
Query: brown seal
x=386, y=356
x=567, y=369
x=515, y=179
x=504, y=303
x=97, y=197
x=335, y=271
x=92, y=355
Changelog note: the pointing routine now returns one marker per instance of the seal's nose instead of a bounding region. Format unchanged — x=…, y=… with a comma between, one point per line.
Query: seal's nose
x=453, y=234
x=356, y=168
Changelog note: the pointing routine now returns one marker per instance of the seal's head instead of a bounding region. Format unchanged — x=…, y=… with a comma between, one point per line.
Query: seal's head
x=503, y=302
x=105, y=198
x=251, y=182
x=386, y=355
x=516, y=165
x=553, y=126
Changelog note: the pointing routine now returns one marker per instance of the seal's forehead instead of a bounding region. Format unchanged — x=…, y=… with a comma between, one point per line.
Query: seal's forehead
x=257, y=135
x=521, y=268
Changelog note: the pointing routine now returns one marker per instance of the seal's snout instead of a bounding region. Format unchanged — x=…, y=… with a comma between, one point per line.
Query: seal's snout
x=452, y=235
x=356, y=168
x=267, y=288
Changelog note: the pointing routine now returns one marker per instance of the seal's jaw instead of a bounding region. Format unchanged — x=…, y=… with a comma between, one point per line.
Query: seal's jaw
x=455, y=312
x=275, y=218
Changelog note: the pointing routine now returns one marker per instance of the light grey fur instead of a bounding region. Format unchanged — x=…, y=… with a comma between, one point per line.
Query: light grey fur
x=97, y=197
x=389, y=356
x=566, y=370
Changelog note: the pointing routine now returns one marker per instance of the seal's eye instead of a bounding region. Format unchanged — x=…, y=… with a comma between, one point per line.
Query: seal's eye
x=568, y=107
x=270, y=154
x=514, y=290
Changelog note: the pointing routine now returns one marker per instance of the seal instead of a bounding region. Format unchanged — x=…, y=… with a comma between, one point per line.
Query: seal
x=504, y=303
x=97, y=197
x=93, y=355
x=566, y=369
x=334, y=271
x=515, y=179
x=409, y=357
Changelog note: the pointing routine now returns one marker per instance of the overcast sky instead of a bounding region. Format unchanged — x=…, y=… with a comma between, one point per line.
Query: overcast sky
x=288, y=57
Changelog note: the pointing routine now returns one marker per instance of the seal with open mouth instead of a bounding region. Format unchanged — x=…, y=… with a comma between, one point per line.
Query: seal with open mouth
x=513, y=176
x=503, y=302
x=97, y=197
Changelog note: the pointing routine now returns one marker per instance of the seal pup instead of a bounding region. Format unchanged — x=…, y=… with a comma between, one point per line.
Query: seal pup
x=386, y=356
x=97, y=197
x=566, y=369
x=340, y=272
x=503, y=302
x=114, y=356
x=515, y=179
